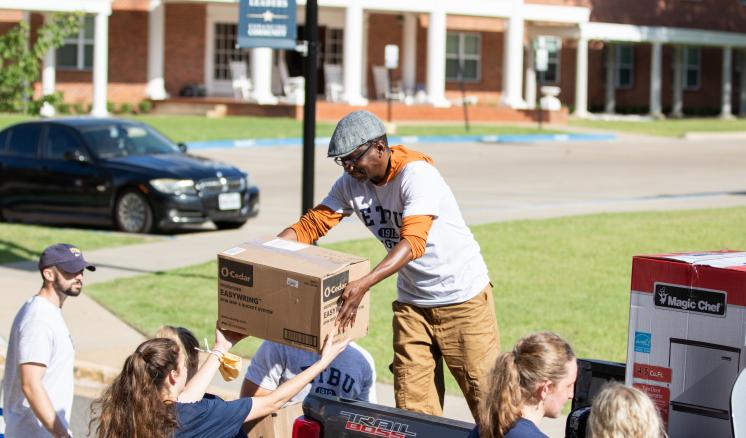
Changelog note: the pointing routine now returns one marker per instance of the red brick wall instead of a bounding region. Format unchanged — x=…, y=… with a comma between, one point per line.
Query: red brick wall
x=185, y=45
x=707, y=97
x=386, y=29
x=725, y=15
x=383, y=29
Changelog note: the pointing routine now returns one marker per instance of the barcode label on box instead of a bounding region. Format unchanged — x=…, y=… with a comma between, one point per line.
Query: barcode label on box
x=300, y=338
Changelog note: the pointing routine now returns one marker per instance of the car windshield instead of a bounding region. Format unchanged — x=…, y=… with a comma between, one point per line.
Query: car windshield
x=120, y=139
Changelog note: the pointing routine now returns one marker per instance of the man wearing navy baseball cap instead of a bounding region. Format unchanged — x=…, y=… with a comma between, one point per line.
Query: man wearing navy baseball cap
x=38, y=383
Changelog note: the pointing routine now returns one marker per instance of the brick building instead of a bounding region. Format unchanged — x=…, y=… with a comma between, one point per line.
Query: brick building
x=644, y=56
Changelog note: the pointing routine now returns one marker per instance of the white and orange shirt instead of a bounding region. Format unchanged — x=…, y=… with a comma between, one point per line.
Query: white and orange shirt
x=414, y=203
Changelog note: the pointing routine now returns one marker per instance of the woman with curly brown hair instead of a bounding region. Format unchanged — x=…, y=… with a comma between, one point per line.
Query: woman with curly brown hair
x=151, y=396
x=531, y=382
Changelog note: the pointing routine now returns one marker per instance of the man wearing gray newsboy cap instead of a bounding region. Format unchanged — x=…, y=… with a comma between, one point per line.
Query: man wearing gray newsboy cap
x=38, y=382
x=444, y=306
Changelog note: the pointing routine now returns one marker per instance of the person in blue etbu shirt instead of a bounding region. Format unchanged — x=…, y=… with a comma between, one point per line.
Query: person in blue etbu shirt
x=531, y=382
x=151, y=396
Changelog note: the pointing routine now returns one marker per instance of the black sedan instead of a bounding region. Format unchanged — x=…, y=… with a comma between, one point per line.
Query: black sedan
x=115, y=172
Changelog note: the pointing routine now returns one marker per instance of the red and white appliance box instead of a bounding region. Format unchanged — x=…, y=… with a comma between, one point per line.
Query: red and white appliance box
x=687, y=337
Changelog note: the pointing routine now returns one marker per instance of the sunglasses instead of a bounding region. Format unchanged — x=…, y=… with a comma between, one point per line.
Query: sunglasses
x=349, y=161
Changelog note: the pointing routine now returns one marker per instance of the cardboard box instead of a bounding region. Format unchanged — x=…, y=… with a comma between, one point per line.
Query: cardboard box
x=687, y=337
x=276, y=425
x=287, y=292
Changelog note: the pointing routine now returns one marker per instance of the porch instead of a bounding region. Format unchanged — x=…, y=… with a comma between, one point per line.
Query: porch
x=333, y=111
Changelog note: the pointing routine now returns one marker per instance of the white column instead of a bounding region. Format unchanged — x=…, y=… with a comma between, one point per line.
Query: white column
x=48, y=68
x=655, y=79
x=156, y=88
x=677, y=110
x=610, y=106
x=727, y=84
x=530, y=81
x=261, y=76
x=100, y=64
x=436, y=58
x=353, y=54
x=48, y=77
x=513, y=63
x=581, y=78
x=409, y=53
x=742, y=93
x=48, y=73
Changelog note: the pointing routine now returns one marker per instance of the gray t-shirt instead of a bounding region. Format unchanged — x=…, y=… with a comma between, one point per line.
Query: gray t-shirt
x=351, y=375
x=38, y=335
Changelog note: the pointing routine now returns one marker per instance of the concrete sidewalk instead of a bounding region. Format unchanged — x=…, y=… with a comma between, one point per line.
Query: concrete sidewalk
x=491, y=182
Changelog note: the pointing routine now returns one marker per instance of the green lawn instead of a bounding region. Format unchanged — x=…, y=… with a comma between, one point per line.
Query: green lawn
x=569, y=275
x=26, y=242
x=667, y=128
x=196, y=128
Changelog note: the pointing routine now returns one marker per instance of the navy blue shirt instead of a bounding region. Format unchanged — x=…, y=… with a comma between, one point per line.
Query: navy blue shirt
x=213, y=417
x=522, y=428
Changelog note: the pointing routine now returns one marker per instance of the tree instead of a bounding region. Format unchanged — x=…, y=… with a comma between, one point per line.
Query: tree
x=19, y=64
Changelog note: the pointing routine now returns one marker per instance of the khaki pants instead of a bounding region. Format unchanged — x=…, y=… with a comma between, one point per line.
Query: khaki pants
x=465, y=335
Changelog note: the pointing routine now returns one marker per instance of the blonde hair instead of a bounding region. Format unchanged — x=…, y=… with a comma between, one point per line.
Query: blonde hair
x=535, y=359
x=620, y=411
x=187, y=343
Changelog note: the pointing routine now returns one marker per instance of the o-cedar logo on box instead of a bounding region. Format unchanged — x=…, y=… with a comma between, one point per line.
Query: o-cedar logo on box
x=238, y=273
x=333, y=287
x=651, y=372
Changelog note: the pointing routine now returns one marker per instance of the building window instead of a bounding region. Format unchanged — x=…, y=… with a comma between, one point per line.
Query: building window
x=692, y=67
x=333, y=46
x=463, y=49
x=625, y=67
x=226, y=50
x=77, y=51
x=553, y=46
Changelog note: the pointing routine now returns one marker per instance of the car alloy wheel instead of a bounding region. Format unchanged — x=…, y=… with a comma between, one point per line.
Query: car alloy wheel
x=133, y=214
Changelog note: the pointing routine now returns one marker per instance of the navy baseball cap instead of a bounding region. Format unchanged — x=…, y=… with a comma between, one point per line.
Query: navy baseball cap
x=66, y=257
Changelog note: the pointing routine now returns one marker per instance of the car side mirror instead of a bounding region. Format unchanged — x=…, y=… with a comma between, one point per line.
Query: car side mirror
x=182, y=147
x=75, y=155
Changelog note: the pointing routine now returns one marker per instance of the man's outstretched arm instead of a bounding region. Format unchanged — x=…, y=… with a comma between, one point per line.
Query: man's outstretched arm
x=313, y=225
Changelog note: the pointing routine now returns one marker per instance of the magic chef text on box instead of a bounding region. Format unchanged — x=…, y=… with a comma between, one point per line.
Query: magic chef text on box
x=687, y=337
x=287, y=292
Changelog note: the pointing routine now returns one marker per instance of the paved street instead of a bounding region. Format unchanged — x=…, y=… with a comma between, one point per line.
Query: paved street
x=492, y=182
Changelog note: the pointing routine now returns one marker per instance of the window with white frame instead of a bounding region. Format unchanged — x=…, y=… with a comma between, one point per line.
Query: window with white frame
x=692, y=60
x=333, y=46
x=551, y=75
x=226, y=50
x=624, y=60
x=463, y=50
x=76, y=53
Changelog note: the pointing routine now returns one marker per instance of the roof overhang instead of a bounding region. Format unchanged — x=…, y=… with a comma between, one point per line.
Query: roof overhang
x=664, y=35
x=87, y=6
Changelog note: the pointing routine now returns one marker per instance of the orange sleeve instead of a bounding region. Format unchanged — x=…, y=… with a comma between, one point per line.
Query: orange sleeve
x=414, y=230
x=316, y=223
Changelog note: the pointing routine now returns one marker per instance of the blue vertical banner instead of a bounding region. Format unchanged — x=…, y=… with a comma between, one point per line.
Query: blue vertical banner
x=267, y=23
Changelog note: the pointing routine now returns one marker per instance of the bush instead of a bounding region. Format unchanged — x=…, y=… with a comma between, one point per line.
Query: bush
x=126, y=108
x=54, y=99
x=145, y=106
x=63, y=108
x=110, y=108
x=78, y=108
x=20, y=63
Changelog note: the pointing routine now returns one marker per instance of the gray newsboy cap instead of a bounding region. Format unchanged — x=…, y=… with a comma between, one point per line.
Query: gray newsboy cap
x=355, y=129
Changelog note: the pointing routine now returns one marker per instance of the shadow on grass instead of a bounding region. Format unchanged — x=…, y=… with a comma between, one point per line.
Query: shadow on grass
x=12, y=252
